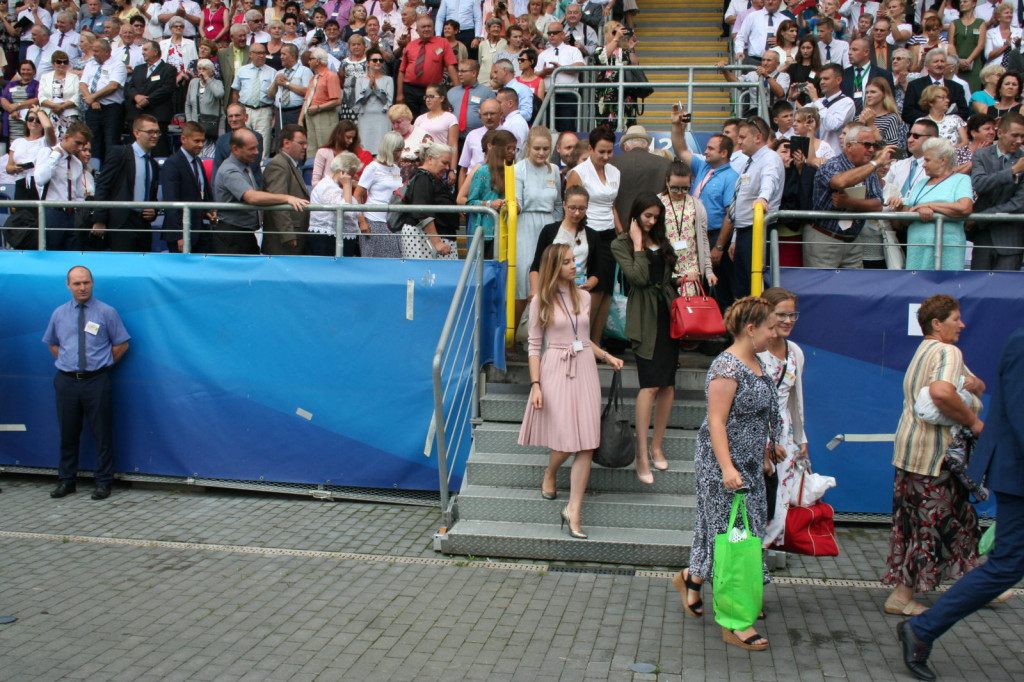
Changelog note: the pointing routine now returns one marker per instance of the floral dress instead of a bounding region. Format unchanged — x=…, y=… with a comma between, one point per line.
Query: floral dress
x=679, y=228
x=608, y=98
x=753, y=421
x=784, y=376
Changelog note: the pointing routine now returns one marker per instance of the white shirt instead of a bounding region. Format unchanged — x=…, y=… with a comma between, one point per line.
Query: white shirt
x=300, y=76
x=753, y=35
x=994, y=41
x=781, y=77
x=328, y=193
x=517, y=125
x=854, y=8
x=735, y=7
x=835, y=111
x=258, y=37
x=191, y=8
x=839, y=51
x=903, y=170
x=243, y=78
x=45, y=19
x=52, y=167
x=983, y=11
x=380, y=182
x=762, y=179
x=69, y=44
x=97, y=76
x=41, y=57
x=135, y=56
x=563, y=55
x=472, y=154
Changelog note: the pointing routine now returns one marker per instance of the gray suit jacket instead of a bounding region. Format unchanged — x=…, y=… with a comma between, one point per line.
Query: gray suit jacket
x=282, y=176
x=641, y=172
x=998, y=193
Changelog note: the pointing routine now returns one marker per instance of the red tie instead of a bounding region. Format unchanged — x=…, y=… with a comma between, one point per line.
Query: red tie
x=421, y=58
x=464, y=109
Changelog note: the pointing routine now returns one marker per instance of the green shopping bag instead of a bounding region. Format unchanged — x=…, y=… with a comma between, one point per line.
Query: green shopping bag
x=738, y=572
x=987, y=540
x=615, y=327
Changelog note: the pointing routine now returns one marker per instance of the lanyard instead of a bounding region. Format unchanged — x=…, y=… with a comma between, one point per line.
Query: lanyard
x=573, y=319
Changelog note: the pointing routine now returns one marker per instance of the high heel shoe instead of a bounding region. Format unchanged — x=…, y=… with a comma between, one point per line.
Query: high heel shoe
x=578, y=534
x=685, y=584
x=660, y=466
x=646, y=479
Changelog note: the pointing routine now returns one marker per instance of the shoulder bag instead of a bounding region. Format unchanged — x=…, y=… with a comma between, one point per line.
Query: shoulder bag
x=696, y=318
x=618, y=442
x=810, y=530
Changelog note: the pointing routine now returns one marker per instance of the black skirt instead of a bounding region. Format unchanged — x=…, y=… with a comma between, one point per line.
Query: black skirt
x=660, y=370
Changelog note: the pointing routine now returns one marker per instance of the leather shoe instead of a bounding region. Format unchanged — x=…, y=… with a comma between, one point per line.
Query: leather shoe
x=915, y=652
x=102, y=492
x=62, y=489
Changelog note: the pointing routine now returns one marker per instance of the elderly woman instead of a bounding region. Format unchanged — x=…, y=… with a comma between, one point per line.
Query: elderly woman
x=943, y=191
x=981, y=130
x=86, y=42
x=415, y=138
x=203, y=101
x=986, y=96
x=376, y=185
x=1002, y=37
x=934, y=526
x=353, y=67
x=19, y=95
x=373, y=96
x=335, y=189
x=276, y=31
x=431, y=235
x=59, y=97
x=1008, y=97
x=880, y=111
x=902, y=60
x=935, y=100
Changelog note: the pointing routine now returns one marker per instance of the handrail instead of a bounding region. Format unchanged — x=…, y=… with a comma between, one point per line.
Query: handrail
x=186, y=218
x=474, y=258
x=547, y=106
x=939, y=219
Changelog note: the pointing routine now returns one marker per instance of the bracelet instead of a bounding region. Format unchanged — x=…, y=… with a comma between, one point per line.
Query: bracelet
x=534, y=382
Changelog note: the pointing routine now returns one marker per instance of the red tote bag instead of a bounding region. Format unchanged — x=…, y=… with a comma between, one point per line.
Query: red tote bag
x=810, y=530
x=696, y=318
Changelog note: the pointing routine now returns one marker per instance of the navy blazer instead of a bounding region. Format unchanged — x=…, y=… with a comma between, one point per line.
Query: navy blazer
x=178, y=183
x=911, y=102
x=159, y=88
x=116, y=182
x=872, y=72
x=999, y=455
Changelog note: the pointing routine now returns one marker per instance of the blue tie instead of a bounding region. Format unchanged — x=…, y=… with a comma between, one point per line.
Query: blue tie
x=149, y=170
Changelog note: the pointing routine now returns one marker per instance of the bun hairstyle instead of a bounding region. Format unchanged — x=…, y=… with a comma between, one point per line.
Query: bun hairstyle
x=747, y=310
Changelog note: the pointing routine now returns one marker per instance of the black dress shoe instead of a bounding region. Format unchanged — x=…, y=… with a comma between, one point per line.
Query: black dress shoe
x=63, y=489
x=915, y=652
x=102, y=492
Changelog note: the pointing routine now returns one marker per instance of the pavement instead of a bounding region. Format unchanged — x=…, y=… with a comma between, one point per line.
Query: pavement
x=172, y=584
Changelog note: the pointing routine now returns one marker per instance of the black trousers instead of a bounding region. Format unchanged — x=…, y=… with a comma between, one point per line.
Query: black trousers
x=566, y=112
x=984, y=257
x=60, y=234
x=414, y=99
x=79, y=400
x=106, y=124
x=237, y=242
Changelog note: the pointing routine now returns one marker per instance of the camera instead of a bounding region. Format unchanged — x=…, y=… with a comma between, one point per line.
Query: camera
x=627, y=32
x=318, y=37
x=801, y=87
x=502, y=6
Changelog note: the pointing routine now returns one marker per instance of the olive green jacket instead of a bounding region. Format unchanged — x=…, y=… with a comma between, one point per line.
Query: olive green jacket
x=644, y=295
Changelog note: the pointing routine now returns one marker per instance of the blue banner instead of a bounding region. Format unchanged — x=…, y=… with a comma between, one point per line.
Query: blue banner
x=859, y=331
x=301, y=370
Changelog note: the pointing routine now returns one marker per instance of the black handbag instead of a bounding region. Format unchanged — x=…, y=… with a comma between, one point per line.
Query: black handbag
x=637, y=92
x=618, y=440
x=593, y=15
x=210, y=122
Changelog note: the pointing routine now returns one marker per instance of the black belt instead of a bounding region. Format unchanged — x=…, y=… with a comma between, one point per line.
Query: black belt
x=262, y=106
x=291, y=108
x=84, y=375
x=834, y=235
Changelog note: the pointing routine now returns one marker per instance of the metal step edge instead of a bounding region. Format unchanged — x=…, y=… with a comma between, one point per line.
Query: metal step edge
x=612, y=509
x=687, y=414
x=526, y=471
x=634, y=546
x=501, y=437
x=687, y=378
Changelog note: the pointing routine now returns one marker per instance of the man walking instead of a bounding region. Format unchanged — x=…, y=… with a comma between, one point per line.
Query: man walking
x=87, y=338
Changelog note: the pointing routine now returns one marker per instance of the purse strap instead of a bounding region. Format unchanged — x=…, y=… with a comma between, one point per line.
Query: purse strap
x=785, y=361
x=614, y=400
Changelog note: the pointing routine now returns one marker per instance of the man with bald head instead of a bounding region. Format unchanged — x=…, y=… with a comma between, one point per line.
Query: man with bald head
x=860, y=72
x=235, y=184
x=472, y=151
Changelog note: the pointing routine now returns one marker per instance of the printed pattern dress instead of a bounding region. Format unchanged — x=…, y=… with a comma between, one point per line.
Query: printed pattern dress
x=753, y=422
x=782, y=374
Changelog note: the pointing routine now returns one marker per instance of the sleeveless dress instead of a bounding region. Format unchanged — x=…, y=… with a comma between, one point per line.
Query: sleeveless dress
x=752, y=422
x=570, y=419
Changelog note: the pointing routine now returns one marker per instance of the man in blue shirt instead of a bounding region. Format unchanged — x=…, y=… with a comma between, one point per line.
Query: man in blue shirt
x=86, y=337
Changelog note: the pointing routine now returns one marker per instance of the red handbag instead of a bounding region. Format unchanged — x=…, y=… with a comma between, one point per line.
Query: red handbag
x=810, y=530
x=696, y=318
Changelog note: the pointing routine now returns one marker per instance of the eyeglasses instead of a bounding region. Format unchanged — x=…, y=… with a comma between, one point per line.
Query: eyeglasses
x=678, y=189
x=379, y=60
x=523, y=59
x=60, y=61
x=431, y=96
x=871, y=145
x=578, y=209
x=154, y=131
x=788, y=317
x=919, y=135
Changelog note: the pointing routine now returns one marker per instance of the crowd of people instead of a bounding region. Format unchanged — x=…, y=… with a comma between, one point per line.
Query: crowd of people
x=337, y=73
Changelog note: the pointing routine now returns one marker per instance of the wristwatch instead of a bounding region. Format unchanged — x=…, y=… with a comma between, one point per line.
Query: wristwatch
x=719, y=247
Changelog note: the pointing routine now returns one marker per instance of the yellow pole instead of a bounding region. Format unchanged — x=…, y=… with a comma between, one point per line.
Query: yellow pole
x=511, y=215
x=757, y=252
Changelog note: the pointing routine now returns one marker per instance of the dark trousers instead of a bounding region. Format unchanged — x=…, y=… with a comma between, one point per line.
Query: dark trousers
x=78, y=400
x=723, y=271
x=106, y=124
x=984, y=257
x=566, y=112
x=60, y=235
x=414, y=99
x=1004, y=568
x=741, y=262
x=283, y=117
x=236, y=242
x=125, y=239
x=466, y=37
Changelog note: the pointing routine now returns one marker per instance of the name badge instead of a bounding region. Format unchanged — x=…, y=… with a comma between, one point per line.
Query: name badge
x=858, y=95
x=550, y=182
x=91, y=328
x=577, y=345
x=745, y=179
x=439, y=51
x=680, y=245
x=154, y=78
x=812, y=74
x=474, y=99
x=977, y=31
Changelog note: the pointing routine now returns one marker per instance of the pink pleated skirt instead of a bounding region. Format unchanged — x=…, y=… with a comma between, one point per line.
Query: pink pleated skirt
x=570, y=419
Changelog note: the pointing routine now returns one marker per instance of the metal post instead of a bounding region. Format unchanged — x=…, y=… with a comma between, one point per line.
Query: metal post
x=186, y=231
x=339, y=241
x=757, y=252
x=776, y=268
x=479, y=240
x=689, y=90
x=41, y=212
x=510, y=302
x=939, y=221
x=622, y=98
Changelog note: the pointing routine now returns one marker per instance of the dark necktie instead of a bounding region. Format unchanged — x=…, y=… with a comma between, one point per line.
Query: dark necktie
x=60, y=43
x=421, y=59
x=71, y=195
x=828, y=53
x=198, y=173
x=81, y=337
x=736, y=192
x=859, y=79
x=148, y=176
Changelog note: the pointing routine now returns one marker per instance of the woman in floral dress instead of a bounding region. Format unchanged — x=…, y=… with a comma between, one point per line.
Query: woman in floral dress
x=686, y=223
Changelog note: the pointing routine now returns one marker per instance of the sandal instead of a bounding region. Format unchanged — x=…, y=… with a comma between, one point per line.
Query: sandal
x=685, y=584
x=750, y=643
x=895, y=607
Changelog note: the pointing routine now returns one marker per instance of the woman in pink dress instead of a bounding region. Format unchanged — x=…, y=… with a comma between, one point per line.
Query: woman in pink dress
x=564, y=409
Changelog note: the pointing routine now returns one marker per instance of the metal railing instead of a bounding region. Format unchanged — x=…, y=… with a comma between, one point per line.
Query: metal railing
x=760, y=222
x=546, y=111
x=456, y=370
x=187, y=228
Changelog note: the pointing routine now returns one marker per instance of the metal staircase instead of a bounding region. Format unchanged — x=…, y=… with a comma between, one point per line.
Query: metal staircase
x=500, y=511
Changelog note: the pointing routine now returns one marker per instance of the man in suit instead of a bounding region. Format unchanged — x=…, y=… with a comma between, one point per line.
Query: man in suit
x=149, y=91
x=860, y=72
x=935, y=65
x=646, y=171
x=999, y=460
x=236, y=119
x=232, y=58
x=129, y=173
x=183, y=178
x=998, y=178
x=881, y=50
x=284, y=232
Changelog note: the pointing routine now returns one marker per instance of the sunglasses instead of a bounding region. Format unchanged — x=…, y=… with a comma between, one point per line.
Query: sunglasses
x=918, y=135
x=376, y=60
x=60, y=61
x=553, y=33
x=31, y=119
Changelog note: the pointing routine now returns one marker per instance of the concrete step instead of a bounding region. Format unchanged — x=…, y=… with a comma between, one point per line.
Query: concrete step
x=634, y=546
x=507, y=403
x=613, y=510
x=679, y=444
x=687, y=378
x=526, y=471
